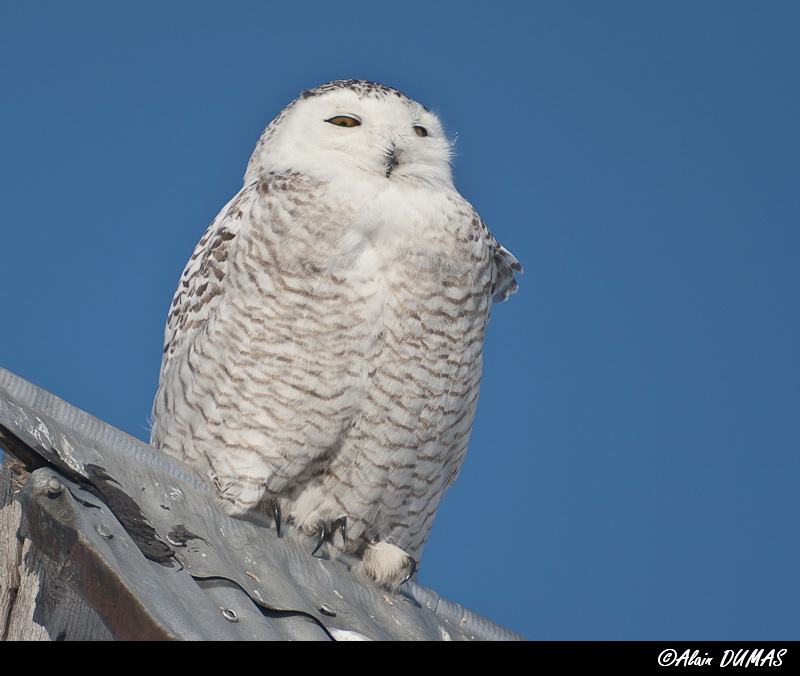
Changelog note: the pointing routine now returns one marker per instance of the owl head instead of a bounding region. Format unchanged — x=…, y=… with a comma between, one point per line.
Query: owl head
x=355, y=129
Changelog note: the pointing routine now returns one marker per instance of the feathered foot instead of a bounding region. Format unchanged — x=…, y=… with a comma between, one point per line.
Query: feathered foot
x=388, y=565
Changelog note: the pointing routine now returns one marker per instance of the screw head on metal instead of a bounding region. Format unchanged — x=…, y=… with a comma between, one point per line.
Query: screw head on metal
x=54, y=487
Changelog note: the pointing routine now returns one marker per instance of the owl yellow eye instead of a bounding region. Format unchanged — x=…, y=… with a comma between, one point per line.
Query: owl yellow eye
x=421, y=131
x=344, y=121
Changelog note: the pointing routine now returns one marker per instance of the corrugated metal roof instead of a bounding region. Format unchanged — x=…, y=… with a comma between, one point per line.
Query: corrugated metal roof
x=141, y=539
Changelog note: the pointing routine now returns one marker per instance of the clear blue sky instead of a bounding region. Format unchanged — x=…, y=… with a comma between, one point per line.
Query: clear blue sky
x=634, y=468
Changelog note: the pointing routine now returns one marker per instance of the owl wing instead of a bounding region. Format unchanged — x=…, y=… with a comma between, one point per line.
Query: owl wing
x=204, y=278
x=505, y=264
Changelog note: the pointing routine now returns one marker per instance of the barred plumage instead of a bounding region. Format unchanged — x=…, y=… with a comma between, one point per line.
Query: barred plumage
x=322, y=355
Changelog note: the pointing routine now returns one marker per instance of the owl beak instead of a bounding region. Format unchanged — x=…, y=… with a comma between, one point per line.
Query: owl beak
x=392, y=160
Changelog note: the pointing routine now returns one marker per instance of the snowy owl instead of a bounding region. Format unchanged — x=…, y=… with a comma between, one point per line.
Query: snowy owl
x=323, y=351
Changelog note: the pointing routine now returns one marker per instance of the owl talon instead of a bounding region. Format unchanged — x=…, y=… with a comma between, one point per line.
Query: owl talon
x=343, y=526
x=412, y=564
x=276, y=513
x=322, y=535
